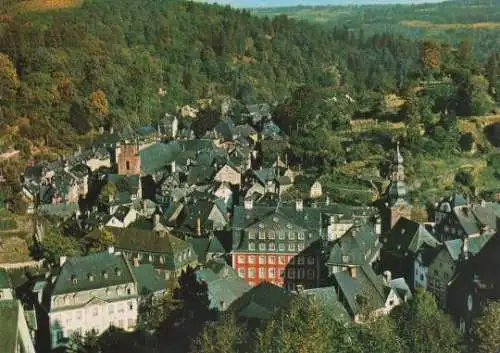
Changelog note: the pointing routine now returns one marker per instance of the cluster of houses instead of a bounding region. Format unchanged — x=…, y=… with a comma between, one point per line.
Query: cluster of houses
x=256, y=231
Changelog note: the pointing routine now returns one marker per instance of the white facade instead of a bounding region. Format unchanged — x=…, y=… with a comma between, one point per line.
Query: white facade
x=127, y=220
x=97, y=314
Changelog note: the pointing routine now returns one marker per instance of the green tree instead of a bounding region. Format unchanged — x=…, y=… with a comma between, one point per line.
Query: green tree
x=425, y=328
x=55, y=245
x=87, y=343
x=9, y=80
x=102, y=243
x=224, y=336
x=157, y=313
x=108, y=192
x=487, y=329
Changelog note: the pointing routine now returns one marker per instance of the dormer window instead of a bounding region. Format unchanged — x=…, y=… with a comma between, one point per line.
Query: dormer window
x=90, y=277
x=74, y=280
x=104, y=274
x=118, y=272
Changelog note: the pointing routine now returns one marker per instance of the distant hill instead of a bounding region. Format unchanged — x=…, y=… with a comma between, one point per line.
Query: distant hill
x=287, y=3
x=452, y=21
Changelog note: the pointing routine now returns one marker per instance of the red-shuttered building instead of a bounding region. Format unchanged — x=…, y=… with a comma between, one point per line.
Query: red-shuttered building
x=279, y=244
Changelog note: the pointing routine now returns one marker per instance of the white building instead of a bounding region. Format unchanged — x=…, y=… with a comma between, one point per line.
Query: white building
x=92, y=293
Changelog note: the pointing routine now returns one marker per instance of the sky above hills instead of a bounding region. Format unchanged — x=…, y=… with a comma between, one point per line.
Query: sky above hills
x=275, y=3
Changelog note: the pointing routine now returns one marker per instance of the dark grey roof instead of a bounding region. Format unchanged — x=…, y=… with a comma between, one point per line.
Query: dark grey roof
x=148, y=279
x=327, y=298
x=356, y=247
x=95, y=266
x=407, y=235
x=365, y=285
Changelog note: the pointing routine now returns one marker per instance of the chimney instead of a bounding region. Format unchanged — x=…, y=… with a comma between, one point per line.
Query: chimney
x=111, y=249
x=111, y=130
x=222, y=305
x=198, y=225
x=299, y=205
x=156, y=220
x=62, y=260
x=136, y=262
x=172, y=167
x=387, y=277
x=248, y=204
x=353, y=271
x=101, y=130
x=465, y=248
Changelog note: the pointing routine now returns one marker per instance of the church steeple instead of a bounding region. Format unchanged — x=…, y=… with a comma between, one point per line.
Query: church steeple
x=397, y=188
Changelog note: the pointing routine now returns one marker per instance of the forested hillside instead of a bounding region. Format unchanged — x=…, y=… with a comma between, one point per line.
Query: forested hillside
x=106, y=60
x=451, y=21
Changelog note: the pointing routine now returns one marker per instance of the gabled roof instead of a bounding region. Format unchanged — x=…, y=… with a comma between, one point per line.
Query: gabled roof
x=157, y=156
x=148, y=279
x=474, y=244
x=9, y=312
x=327, y=298
x=409, y=236
x=356, y=247
x=262, y=301
x=366, y=285
x=79, y=268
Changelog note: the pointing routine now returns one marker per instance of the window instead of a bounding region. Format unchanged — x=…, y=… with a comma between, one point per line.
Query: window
x=300, y=260
x=251, y=273
x=129, y=291
x=300, y=236
x=281, y=260
x=271, y=260
x=130, y=306
x=251, y=235
x=310, y=274
x=262, y=247
x=300, y=273
x=271, y=246
x=78, y=315
x=262, y=260
x=95, y=311
x=131, y=323
x=262, y=272
x=111, y=308
x=241, y=272
x=120, y=308
x=59, y=336
x=262, y=235
x=291, y=236
x=281, y=236
x=291, y=247
x=270, y=272
x=281, y=247
x=251, y=246
x=310, y=260
x=251, y=259
x=127, y=165
x=300, y=247
x=345, y=258
x=291, y=273
x=241, y=259
x=271, y=235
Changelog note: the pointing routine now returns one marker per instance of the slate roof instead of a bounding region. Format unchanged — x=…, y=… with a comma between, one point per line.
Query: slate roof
x=148, y=279
x=261, y=302
x=264, y=175
x=62, y=210
x=366, y=284
x=409, y=236
x=224, y=284
x=475, y=244
x=163, y=243
x=158, y=156
x=225, y=129
x=327, y=298
x=147, y=130
x=275, y=218
x=96, y=264
x=9, y=312
x=356, y=247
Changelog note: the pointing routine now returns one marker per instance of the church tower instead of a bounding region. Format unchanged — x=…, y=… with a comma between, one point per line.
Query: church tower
x=396, y=205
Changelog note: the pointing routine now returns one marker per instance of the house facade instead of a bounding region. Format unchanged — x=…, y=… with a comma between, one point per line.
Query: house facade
x=280, y=245
x=92, y=293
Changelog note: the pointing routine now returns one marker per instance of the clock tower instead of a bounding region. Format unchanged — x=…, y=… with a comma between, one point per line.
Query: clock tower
x=395, y=205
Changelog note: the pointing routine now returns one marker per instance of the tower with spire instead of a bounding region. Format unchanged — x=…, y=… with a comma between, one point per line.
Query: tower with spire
x=396, y=205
